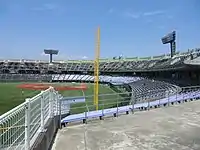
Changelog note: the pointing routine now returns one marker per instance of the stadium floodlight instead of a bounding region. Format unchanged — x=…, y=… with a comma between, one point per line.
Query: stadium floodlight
x=51, y=52
x=170, y=38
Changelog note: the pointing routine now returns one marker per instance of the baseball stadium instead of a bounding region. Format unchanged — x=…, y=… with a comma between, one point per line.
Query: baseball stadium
x=114, y=101
x=71, y=104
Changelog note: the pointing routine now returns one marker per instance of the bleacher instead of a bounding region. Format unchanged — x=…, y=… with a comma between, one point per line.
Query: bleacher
x=89, y=78
x=25, y=77
x=178, y=98
x=162, y=62
x=144, y=89
x=150, y=89
x=146, y=94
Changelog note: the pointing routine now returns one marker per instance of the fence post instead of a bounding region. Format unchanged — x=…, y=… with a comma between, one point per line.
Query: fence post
x=117, y=105
x=60, y=111
x=184, y=89
x=133, y=98
x=51, y=102
x=148, y=99
x=159, y=103
x=27, y=124
x=176, y=95
x=42, y=112
x=168, y=97
x=102, y=104
x=103, y=110
x=85, y=120
x=57, y=103
x=167, y=100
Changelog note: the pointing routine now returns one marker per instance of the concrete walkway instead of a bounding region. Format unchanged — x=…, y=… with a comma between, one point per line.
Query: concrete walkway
x=168, y=128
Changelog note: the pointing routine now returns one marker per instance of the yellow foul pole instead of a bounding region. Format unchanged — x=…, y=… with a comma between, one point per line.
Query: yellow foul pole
x=96, y=70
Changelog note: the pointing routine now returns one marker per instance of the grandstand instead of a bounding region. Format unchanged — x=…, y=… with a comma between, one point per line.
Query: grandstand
x=145, y=64
x=106, y=99
x=136, y=84
x=88, y=78
x=157, y=67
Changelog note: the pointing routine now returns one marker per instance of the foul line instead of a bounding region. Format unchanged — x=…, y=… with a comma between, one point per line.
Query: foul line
x=85, y=100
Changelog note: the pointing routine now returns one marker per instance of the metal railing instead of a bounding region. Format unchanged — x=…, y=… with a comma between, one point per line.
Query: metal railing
x=20, y=127
x=131, y=100
x=105, y=101
x=118, y=100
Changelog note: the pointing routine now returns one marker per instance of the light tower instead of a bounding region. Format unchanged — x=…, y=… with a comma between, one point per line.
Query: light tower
x=51, y=52
x=96, y=70
x=170, y=39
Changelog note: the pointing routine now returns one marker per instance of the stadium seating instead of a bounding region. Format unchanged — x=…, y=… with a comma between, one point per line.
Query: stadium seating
x=37, y=70
x=145, y=94
x=106, y=65
x=143, y=89
x=25, y=77
x=147, y=105
x=89, y=78
x=149, y=89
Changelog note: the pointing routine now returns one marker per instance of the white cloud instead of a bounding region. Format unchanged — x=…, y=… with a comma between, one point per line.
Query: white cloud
x=69, y=57
x=84, y=57
x=153, y=13
x=132, y=15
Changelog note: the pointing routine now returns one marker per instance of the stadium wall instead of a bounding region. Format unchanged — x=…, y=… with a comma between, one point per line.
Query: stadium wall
x=25, y=77
x=45, y=139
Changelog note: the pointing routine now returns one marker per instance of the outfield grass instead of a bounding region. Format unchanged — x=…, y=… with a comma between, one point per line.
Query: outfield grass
x=109, y=98
x=11, y=96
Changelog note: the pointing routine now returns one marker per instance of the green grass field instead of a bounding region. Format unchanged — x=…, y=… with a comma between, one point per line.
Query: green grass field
x=11, y=96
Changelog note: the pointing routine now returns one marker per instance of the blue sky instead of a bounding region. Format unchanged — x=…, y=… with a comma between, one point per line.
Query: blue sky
x=128, y=27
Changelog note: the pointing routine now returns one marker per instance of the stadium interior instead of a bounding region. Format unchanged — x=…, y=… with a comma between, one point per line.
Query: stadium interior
x=181, y=69
x=149, y=78
x=112, y=101
x=100, y=75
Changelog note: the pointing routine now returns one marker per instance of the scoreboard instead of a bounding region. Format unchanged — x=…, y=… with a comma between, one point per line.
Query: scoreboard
x=171, y=37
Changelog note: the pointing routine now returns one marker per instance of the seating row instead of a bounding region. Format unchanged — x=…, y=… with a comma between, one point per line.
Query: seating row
x=146, y=105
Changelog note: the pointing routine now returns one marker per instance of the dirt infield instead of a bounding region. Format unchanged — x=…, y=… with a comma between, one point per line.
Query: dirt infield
x=40, y=86
x=169, y=128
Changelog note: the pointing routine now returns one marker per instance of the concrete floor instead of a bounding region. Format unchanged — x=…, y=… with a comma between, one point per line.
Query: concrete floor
x=169, y=128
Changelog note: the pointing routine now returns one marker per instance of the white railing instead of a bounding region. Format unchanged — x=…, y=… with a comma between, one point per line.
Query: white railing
x=21, y=126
